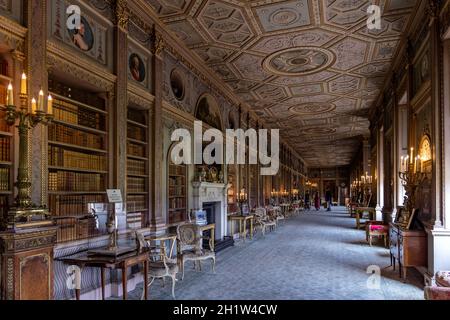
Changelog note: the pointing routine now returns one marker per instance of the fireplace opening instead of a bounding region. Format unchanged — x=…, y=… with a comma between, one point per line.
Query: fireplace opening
x=213, y=215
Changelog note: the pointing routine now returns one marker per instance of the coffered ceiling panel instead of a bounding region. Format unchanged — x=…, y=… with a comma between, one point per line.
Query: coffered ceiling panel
x=309, y=67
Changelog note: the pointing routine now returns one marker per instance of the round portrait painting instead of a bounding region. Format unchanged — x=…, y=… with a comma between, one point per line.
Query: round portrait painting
x=137, y=67
x=83, y=37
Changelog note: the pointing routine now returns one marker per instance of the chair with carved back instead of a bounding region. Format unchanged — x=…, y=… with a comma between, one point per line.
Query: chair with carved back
x=363, y=209
x=277, y=214
x=263, y=220
x=159, y=266
x=190, y=246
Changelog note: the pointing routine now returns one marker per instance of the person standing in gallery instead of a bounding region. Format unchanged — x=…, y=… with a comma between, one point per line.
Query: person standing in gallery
x=328, y=198
x=316, y=201
x=307, y=200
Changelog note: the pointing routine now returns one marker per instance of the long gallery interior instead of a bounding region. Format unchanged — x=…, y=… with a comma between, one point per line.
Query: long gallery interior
x=100, y=100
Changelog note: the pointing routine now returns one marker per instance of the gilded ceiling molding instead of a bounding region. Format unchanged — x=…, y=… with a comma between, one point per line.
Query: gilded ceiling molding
x=121, y=14
x=62, y=57
x=158, y=43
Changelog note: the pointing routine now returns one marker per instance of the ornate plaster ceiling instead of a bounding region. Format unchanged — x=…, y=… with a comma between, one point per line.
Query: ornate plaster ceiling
x=309, y=67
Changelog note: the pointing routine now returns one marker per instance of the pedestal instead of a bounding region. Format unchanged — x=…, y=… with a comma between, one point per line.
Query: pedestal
x=27, y=263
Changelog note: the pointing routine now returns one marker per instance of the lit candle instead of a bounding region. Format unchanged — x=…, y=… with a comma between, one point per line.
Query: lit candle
x=41, y=101
x=33, y=105
x=10, y=96
x=415, y=164
x=419, y=164
x=406, y=163
x=50, y=105
x=23, y=84
x=411, y=157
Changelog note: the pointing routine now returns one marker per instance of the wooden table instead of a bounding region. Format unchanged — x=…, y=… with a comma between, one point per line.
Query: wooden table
x=122, y=262
x=212, y=228
x=408, y=247
x=359, y=212
x=242, y=225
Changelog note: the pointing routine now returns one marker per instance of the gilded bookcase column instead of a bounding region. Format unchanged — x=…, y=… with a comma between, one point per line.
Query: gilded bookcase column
x=156, y=196
x=36, y=20
x=121, y=100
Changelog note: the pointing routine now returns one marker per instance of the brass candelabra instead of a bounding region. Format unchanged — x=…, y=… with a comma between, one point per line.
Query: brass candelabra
x=411, y=180
x=24, y=209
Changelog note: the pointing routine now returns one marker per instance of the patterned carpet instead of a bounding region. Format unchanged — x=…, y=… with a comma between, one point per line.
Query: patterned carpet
x=317, y=255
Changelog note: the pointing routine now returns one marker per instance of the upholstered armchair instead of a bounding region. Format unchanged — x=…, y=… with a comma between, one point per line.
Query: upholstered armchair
x=190, y=246
x=264, y=221
x=277, y=214
x=159, y=266
x=442, y=289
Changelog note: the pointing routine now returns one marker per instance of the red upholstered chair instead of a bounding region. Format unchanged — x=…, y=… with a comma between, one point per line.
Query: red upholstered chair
x=442, y=289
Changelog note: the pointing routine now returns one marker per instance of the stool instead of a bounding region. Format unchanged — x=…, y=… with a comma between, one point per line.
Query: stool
x=376, y=229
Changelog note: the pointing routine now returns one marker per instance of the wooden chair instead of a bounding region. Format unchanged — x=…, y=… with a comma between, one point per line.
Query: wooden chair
x=159, y=266
x=264, y=221
x=190, y=246
x=277, y=214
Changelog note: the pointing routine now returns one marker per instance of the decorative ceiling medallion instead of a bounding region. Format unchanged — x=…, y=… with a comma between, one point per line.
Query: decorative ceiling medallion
x=298, y=61
x=318, y=130
x=312, y=108
x=284, y=17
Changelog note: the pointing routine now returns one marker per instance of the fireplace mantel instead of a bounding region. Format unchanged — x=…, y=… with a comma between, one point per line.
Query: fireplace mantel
x=207, y=192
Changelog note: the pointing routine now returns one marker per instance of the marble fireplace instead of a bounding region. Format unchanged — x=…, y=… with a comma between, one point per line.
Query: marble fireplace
x=212, y=197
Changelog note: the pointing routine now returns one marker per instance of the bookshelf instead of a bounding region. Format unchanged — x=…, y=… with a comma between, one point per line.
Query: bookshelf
x=177, y=194
x=77, y=160
x=137, y=168
x=6, y=140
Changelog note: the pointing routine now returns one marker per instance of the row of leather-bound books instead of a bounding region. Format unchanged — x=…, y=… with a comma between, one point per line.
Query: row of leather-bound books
x=135, y=184
x=73, y=228
x=72, y=215
x=135, y=150
x=76, y=181
x=72, y=113
x=61, y=157
x=136, y=133
x=72, y=205
x=4, y=179
x=5, y=149
x=175, y=203
x=60, y=133
x=3, y=125
x=177, y=170
x=137, y=167
x=136, y=203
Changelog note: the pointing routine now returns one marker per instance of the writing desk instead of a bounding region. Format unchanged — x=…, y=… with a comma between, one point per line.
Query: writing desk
x=122, y=262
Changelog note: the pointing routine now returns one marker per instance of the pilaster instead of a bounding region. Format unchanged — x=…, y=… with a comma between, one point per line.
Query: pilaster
x=156, y=195
x=36, y=68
